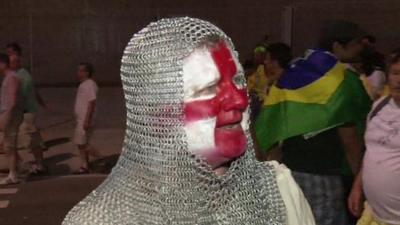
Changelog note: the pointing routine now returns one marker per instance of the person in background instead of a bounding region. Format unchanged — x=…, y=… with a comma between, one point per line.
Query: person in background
x=29, y=134
x=380, y=176
x=277, y=59
x=315, y=112
x=392, y=55
x=257, y=81
x=13, y=48
x=11, y=112
x=85, y=106
x=369, y=42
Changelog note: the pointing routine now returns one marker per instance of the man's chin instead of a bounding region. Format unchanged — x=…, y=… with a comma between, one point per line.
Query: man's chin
x=230, y=143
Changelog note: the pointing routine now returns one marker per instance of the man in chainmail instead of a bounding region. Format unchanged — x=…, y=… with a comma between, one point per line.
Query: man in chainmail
x=188, y=157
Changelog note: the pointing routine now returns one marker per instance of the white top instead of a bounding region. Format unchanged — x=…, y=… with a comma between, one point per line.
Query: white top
x=297, y=208
x=87, y=92
x=381, y=167
x=377, y=80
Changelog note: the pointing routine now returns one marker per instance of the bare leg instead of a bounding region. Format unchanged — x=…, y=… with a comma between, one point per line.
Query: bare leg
x=12, y=156
x=38, y=167
x=84, y=155
x=11, y=147
x=29, y=129
x=38, y=155
x=37, y=149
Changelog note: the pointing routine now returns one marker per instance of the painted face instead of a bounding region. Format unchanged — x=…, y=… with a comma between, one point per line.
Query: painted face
x=215, y=104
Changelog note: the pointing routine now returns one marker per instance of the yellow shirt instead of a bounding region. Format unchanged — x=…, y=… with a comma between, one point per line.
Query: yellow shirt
x=258, y=82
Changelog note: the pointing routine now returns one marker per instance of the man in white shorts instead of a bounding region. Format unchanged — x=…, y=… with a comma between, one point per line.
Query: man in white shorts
x=11, y=112
x=85, y=106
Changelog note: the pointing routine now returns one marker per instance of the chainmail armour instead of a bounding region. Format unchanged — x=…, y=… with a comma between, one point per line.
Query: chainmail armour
x=157, y=180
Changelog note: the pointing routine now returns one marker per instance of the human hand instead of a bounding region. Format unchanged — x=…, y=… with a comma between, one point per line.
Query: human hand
x=356, y=199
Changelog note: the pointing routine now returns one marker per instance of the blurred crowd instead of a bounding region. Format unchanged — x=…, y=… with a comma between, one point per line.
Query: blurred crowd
x=20, y=102
x=349, y=170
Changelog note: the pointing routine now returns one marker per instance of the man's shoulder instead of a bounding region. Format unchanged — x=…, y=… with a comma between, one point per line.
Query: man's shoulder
x=12, y=75
x=24, y=75
x=88, y=86
x=12, y=79
x=23, y=72
x=94, y=83
x=89, y=83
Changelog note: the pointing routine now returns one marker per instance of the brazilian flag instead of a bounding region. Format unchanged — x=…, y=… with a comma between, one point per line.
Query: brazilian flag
x=317, y=92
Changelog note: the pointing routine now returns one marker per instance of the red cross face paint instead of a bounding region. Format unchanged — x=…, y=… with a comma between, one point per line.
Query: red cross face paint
x=215, y=104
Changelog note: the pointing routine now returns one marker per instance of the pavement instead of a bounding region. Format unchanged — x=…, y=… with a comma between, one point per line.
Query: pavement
x=45, y=201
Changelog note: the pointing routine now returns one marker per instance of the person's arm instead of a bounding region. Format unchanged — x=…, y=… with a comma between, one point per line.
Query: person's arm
x=352, y=146
x=353, y=151
x=356, y=197
x=13, y=95
x=89, y=114
x=14, y=91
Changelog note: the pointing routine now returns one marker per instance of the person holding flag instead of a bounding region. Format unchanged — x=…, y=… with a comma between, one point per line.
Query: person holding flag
x=315, y=113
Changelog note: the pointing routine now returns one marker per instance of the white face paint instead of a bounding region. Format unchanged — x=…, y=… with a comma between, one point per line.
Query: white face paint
x=201, y=140
x=201, y=76
x=200, y=72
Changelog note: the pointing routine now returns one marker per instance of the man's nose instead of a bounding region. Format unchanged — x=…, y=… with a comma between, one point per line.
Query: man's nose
x=235, y=99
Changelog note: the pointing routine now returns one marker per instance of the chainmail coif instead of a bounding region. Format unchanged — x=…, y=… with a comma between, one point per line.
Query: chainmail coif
x=157, y=180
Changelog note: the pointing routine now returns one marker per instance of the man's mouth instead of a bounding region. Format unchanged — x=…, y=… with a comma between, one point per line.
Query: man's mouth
x=231, y=126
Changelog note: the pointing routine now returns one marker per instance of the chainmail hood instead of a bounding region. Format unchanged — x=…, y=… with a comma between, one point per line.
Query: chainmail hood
x=157, y=180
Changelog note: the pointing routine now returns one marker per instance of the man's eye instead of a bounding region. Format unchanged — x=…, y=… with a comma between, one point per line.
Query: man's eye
x=208, y=91
x=239, y=81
